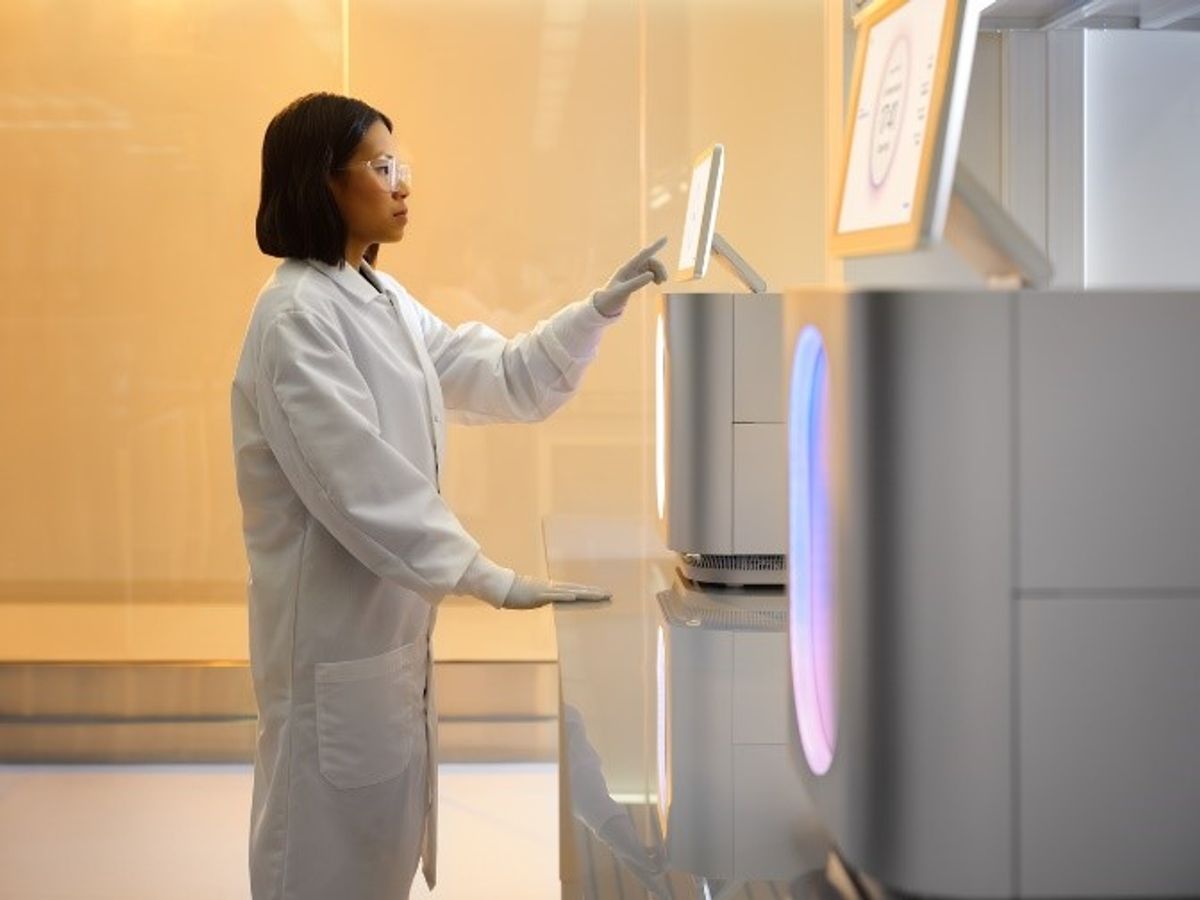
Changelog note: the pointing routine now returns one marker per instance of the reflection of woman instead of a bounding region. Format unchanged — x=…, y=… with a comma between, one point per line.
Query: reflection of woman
x=339, y=405
x=594, y=806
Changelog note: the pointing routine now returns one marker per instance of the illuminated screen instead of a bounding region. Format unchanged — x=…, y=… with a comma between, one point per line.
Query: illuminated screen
x=698, y=225
x=811, y=613
x=891, y=122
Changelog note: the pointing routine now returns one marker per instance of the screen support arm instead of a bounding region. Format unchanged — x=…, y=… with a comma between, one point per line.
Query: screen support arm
x=738, y=266
x=988, y=238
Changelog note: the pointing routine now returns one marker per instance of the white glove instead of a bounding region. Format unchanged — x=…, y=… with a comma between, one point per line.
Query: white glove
x=646, y=864
x=633, y=276
x=530, y=593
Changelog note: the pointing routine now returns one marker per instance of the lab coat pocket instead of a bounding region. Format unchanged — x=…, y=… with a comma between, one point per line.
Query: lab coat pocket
x=369, y=716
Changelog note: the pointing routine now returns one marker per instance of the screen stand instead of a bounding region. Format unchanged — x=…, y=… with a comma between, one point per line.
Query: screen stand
x=735, y=264
x=990, y=240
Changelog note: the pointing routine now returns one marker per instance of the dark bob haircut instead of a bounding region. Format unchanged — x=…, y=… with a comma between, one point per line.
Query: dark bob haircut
x=309, y=139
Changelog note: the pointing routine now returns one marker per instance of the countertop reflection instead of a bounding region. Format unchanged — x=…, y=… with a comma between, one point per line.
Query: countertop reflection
x=678, y=773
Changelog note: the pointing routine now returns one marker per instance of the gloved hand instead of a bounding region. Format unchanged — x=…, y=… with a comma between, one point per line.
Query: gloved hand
x=530, y=593
x=647, y=864
x=633, y=276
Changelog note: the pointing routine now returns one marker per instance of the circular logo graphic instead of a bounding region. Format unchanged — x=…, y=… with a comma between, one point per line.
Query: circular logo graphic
x=889, y=110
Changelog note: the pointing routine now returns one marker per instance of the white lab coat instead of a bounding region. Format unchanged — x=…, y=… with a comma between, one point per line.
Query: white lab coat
x=339, y=406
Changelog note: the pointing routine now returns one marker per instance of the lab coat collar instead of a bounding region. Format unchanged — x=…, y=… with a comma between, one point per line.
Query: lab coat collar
x=351, y=283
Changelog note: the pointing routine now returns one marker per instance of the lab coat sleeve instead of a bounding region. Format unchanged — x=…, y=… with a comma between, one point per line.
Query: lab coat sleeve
x=320, y=419
x=486, y=377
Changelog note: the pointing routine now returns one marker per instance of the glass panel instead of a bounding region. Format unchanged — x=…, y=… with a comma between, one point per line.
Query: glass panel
x=750, y=76
x=521, y=119
x=550, y=139
x=131, y=134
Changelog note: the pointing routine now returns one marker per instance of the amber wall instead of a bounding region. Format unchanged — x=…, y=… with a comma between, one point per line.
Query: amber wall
x=549, y=140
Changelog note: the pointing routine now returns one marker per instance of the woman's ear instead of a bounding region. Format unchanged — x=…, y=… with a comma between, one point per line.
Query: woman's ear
x=337, y=188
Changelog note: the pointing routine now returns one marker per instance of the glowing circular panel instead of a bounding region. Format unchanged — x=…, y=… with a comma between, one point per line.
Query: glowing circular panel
x=811, y=620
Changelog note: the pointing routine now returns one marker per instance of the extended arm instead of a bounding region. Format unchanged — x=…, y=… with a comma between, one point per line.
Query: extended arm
x=486, y=377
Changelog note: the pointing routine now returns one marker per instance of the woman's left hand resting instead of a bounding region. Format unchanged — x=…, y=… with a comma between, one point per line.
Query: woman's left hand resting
x=530, y=593
x=633, y=276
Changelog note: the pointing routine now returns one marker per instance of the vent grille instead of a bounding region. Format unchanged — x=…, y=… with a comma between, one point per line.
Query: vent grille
x=734, y=569
x=746, y=562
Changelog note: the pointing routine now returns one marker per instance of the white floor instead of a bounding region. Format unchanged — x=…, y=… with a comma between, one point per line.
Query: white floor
x=179, y=832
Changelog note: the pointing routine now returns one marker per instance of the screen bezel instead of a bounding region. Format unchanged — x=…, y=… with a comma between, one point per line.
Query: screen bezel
x=944, y=123
x=708, y=220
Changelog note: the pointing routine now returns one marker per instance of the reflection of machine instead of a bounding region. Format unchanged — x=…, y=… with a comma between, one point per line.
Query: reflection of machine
x=719, y=411
x=995, y=590
x=724, y=759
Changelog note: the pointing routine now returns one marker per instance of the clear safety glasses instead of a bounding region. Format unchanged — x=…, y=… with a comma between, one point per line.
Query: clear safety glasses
x=391, y=172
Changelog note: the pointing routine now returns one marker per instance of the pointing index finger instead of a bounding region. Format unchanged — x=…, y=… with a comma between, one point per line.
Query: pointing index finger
x=649, y=251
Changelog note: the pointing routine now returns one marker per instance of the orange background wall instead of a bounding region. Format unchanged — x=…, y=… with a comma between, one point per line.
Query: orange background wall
x=549, y=140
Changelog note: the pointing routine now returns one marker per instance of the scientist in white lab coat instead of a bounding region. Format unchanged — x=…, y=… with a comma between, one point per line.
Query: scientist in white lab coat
x=339, y=407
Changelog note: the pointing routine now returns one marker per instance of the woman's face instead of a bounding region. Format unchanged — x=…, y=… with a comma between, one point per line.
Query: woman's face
x=372, y=213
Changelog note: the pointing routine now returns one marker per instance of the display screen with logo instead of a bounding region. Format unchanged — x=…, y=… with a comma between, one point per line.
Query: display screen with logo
x=911, y=74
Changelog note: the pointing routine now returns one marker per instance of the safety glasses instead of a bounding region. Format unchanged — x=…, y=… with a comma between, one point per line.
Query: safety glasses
x=390, y=172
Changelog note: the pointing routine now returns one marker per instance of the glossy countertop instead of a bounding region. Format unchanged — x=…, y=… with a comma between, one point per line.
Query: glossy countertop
x=679, y=775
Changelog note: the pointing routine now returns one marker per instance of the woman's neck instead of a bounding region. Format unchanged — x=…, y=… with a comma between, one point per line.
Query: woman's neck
x=354, y=253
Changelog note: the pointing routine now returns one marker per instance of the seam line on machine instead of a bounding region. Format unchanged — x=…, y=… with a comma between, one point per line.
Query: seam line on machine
x=1047, y=99
x=733, y=454
x=1105, y=593
x=1014, y=630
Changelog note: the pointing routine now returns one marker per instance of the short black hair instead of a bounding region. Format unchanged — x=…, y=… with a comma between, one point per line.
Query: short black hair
x=310, y=138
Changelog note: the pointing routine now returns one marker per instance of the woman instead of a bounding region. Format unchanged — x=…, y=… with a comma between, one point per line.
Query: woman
x=339, y=406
